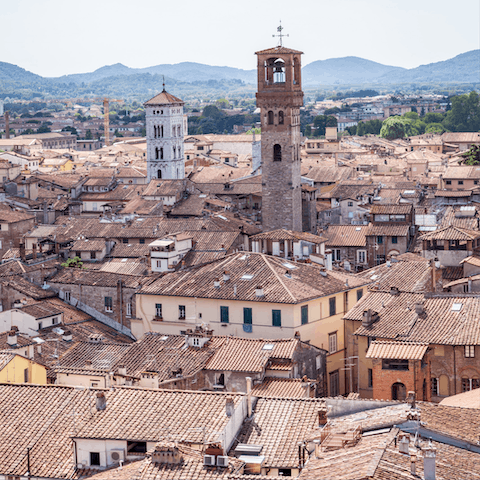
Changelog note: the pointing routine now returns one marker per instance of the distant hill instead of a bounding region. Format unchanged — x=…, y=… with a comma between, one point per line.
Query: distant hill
x=346, y=70
x=189, y=78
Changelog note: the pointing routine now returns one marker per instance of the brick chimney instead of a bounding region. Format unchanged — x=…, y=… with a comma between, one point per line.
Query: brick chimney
x=429, y=454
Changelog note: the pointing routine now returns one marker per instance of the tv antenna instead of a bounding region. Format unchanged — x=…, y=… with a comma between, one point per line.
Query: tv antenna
x=280, y=35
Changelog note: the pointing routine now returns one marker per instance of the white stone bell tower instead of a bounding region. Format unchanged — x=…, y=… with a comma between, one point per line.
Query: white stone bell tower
x=164, y=126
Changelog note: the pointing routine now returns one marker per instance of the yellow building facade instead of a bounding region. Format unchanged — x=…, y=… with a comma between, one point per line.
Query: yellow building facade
x=15, y=368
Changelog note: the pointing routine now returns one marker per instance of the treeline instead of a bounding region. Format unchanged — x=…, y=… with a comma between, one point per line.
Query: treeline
x=216, y=121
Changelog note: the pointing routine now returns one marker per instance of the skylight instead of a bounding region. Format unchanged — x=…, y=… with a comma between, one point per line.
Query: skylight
x=58, y=331
x=456, y=307
x=38, y=340
x=289, y=265
x=164, y=338
x=247, y=276
x=268, y=346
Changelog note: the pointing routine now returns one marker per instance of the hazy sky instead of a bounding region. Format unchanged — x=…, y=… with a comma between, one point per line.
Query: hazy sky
x=53, y=37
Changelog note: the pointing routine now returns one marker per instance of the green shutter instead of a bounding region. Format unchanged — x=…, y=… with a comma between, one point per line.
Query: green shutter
x=247, y=316
x=277, y=318
x=224, y=314
x=333, y=306
x=304, y=314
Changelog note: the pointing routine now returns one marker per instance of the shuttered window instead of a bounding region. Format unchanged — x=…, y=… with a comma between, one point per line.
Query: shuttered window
x=333, y=306
x=224, y=314
x=247, y=316
x=304, y=314
x=277, y=318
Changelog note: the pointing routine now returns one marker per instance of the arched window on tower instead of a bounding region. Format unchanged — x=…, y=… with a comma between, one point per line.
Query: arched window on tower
x=277, y=153
x=159, y=173
x=174, y=152
x=296, y=70
x=280, y=118
x=161, y=153
x=161, y=131
x=154, y=131
x=279, y=71
x=156, y=153
x=270, y=117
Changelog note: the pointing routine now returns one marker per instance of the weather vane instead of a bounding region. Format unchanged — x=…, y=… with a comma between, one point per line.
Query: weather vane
x=280, y=35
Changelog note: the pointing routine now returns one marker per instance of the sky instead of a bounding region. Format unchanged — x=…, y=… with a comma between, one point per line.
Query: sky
x=53, y=38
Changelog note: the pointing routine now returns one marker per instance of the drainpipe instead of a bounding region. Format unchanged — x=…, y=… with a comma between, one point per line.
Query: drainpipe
x=454, y=372
x=249, y=396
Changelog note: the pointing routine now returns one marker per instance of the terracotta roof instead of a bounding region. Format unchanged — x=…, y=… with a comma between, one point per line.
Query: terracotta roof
x=456, y=217
x=249, y=270
x=329, y=174
x=130, y=250
x=5, y=359
x=76, y=276
x=396, y=350
x=281, y=387
x=346, y=235
x=41, y=310
x=451, y=233
x=469, y=399
x=164, y=98
x=27, y=288
x=165, y=188
x=11, y=216
x=88, y=246
x=279, y=50
x=388, y=230
x=448, y=319
x=122, y=266
x=282, y=234
x=386, y=209
x=280, y=424
x=473, y=260
x=250, y=355
x=454, y=137
x=453, y=193
x=103, y=356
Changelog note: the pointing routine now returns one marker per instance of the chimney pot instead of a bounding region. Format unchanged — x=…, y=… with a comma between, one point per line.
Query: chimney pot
x=404, y=443
x=259, y=291
x=229, y=406
x=101, y=403
x=216, y=283
x=429, y=454
x=226, y=276
x=12, y=338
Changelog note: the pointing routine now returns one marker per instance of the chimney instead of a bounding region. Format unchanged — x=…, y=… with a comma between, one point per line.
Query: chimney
x=122, y=370
x=369, y=317
x=12, y=338
x=322, y=417
x=229, y=406
x=328, y=259
x=413, y=464
x=226, y=276
x=67, y=336
x=419, y=310
x=469, y=285
x=22, y=251
x=404, y=443
x=216, y=283
x=101, y=403
x=259, y=291
x=88, y=363
x=411, y=396
x=394, y=291
x=249, y=396
x=429, y=454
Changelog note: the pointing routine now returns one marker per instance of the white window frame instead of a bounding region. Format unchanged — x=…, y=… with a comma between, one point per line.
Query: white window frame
x=129, y=309
x=469, y=351
x=361, y=256
x=332, y=343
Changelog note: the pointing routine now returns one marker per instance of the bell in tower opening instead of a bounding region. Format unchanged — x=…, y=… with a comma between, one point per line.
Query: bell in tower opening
x=280, y=97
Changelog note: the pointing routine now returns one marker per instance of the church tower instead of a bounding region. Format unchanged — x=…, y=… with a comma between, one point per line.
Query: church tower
x=280, y=97
x=165, y=130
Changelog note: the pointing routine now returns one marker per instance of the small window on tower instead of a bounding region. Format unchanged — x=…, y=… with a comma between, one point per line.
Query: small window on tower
x=159, y=174
x=280, y=118
x=270, y=117
x=161, y=153
x=277, y=153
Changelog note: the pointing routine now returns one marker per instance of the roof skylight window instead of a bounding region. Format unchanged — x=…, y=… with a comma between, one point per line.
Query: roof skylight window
x=247, y=276
x=268, y=346
x=456, y=307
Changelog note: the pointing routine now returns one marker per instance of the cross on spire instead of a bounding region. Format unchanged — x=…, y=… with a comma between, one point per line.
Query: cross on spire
x=280, y=35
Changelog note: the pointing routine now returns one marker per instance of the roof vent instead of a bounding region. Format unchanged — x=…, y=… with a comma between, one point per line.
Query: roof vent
x=67, y=336
x=216, y=283
x=226, y=276
x=169, y=454
x=259, y=291
x=369, y=318
x=419, y=309
x=394, y=291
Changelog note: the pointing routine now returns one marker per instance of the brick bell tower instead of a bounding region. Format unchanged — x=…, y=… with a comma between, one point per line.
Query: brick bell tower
x=280, y=97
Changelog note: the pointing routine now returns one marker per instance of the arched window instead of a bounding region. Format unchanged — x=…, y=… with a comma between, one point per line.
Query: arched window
x=270, y=117
x=161, y=131
x=159, y=174
x=161, y=153
x=277, y=153
x=174, y=152
x=156, y=153
x=280, y=118
x=279, y=71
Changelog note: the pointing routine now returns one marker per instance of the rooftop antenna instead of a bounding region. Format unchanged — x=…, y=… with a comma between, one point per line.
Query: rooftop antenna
x=280, y=35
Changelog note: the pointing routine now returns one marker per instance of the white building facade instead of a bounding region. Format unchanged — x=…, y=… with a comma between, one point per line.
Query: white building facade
x=165, y=128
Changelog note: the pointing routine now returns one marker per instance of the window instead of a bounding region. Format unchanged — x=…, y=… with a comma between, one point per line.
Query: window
x=332, y=303
x=95, y=458
x=277, y=153
x=224, y=315
x=280, y=118
x=359, y=294
x=379, y=240
x=370, y=378
x=460, y=182
x=361, y=256
x=124, y=240
x=220, y=380
x=304, y=314
x=336, y=254
x=334, y=383
x=108, y=304
x=350, y=204
x=78, y=254
x=158, y=310
x=469, y=351
x=448, y=182
x=470, y=384
x=394, y=239
x=434, y=386
x=129, y=309
x=318, y=361
x=40, y=325
x=270, y=117
x=475, y=182
x=391, y=364
x=93, y=255
x=370, y=340
x=332, y=342
x=247, y=316
x=25, y=375
x=66, y=296
x=136, y=447
x=181, y=312
x=54, y=320
x=141, y=241
x=276, y=318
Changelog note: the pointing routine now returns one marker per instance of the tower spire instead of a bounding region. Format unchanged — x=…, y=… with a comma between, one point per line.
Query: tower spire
x=163, y=83
x=280, y=35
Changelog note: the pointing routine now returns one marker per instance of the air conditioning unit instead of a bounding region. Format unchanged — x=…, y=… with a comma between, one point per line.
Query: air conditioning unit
x=209, y=460
x=115, y=456
x=222, y=461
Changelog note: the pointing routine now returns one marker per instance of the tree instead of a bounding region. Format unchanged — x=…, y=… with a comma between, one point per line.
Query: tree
x=413, y=115
x=331, y=121
x=464, y=115
x=74, y=262
x=472, y=157
x=433, y=117
x=88, y=135
x=435, y=128
x=393, y=127
x=361, y=129
x=308, y=131
x=72, y=130
x=319, y=123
